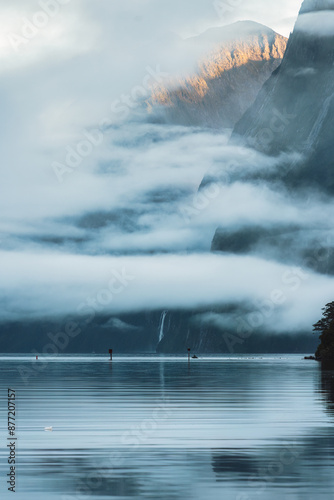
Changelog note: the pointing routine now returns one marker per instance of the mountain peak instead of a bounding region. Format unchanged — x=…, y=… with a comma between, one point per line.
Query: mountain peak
x=237, y=59
x=239, y=30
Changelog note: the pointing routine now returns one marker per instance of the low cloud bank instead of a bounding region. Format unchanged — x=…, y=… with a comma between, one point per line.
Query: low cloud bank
x=57, y=285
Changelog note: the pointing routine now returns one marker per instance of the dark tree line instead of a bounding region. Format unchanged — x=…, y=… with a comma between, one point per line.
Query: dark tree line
x=325, y=326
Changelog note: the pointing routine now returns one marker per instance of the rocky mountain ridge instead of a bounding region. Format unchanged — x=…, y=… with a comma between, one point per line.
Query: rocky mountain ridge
x=236, y=60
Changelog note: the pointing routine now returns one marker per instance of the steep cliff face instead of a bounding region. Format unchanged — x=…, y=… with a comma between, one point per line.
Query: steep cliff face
x=316, y=5
x=239, y=59
x=294, y=110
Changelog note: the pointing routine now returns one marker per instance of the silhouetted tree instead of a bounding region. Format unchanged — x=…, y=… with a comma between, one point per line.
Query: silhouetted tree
x=325, y=351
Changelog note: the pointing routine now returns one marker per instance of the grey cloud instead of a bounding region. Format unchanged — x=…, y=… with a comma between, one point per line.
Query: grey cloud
x=55, y=285
x=317, y=23
x=136, y=194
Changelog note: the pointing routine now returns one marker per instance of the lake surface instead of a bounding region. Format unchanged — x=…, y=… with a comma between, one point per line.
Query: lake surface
x=239, y=428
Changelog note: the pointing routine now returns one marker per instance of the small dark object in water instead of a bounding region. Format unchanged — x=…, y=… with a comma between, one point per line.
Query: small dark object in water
x=313, y=358
x=194, y=357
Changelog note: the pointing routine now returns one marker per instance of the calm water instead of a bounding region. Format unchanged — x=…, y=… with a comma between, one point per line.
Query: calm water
x=149, y=427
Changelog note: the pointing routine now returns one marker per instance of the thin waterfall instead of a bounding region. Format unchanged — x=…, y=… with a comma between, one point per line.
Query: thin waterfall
x=162, y=322
x=319, y=122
